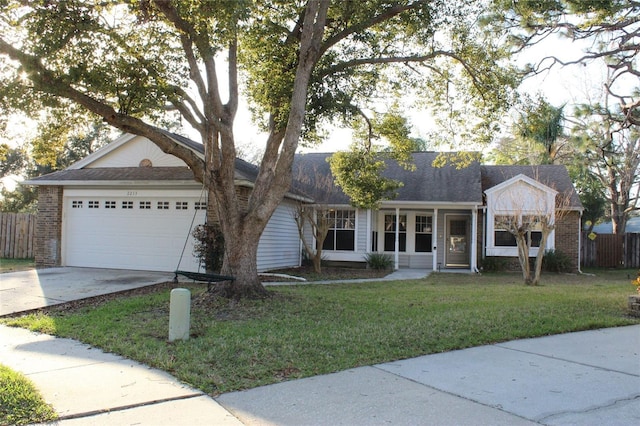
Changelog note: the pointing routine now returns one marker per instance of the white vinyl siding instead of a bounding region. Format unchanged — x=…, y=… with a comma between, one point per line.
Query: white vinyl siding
x=279, y=245
x=361, y=231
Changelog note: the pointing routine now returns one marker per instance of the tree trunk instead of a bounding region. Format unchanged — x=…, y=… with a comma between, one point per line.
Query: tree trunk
x=523, y=257
x=540, y=257
x=317, y=262
x=240, y=262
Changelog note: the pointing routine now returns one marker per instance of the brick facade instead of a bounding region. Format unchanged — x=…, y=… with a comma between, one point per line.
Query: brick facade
x=48, y=236
x=567, y=241
x=568, y=237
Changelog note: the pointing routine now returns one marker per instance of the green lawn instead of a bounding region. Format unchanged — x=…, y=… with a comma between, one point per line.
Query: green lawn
x=317, y=329
x=20, y=402
x=12, y=265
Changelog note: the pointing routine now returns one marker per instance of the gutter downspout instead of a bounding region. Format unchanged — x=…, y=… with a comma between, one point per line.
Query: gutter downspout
x=484, y=232
x=474, y=240
x=580, y=243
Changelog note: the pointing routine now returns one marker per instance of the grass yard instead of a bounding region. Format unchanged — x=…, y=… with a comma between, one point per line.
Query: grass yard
x=13, y=265
x=315, y=329
x=20, y=402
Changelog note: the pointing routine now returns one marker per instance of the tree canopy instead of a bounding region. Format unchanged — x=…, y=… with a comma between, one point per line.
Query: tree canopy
x=301, y=64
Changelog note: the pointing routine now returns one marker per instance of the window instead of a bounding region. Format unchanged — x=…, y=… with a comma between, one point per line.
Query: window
x=390, y=232
x=182, y=205
x=127, y=204
x=94, y=204
x=504, y=238
x=163, y=205
x=342, y=230
x=201, y=205
x=75, y=204
x=424, y=232
x=145, y=205
x=109, y=204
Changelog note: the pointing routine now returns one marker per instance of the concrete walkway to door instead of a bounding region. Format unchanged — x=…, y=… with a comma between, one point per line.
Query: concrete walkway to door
x=33, y=289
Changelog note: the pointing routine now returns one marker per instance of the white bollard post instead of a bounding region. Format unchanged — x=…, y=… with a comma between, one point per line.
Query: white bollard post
x=179, y=314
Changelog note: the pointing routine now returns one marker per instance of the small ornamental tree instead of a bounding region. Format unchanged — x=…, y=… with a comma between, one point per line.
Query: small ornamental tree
x=314, y=218
x=531, y=221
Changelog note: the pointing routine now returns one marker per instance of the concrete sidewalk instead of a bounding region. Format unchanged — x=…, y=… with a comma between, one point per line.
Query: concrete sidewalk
x=585, y=378
x=89, y=387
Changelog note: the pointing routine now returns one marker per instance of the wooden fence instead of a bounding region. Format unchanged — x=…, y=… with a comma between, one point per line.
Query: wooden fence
x=17, y=232
x=611, y=251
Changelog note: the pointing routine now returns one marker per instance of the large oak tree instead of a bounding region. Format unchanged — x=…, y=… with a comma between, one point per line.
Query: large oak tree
x=300, y=64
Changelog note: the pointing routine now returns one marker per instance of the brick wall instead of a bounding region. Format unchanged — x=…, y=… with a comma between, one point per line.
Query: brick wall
x=48, y=237
x=567, y=237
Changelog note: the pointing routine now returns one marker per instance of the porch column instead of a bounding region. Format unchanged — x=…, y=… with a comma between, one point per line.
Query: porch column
x=435, y=240
x=369, y=229
x=474, y=239
x=397, y=248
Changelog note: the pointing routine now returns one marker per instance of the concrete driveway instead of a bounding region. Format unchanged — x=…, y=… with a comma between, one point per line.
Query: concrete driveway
x=27, y=290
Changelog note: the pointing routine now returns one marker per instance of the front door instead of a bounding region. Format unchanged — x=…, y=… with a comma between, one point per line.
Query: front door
x=457, y=241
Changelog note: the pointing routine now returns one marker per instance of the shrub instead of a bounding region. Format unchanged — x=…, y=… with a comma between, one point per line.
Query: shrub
x=494, y=264
x=378, y=261
x=556, y=261
x=209, y=246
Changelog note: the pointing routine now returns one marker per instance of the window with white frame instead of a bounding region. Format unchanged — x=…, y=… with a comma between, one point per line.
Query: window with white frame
x=342, y=230
x=390, y=232
x=424, y=234
x=504, y=225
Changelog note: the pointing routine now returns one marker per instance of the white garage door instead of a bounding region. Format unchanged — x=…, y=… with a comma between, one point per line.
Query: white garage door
x=136, y=229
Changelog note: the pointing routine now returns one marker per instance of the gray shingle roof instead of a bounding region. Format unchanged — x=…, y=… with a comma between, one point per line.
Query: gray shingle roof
x=244, y=170
x=553, y=176
x=426, y=183
x=118, y=174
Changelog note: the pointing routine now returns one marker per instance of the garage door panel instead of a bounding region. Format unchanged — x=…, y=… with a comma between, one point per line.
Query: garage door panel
x=132, y=238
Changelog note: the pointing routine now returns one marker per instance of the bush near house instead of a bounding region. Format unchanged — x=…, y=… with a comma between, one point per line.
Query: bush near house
x=494, y=264
x=378, y=261
x=556, y=261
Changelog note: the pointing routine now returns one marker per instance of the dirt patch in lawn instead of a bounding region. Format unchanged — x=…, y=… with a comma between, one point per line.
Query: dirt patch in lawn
x=327, y=274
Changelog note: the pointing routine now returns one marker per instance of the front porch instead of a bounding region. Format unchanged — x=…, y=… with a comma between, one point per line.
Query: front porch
x=436, y=239
x=413, y=235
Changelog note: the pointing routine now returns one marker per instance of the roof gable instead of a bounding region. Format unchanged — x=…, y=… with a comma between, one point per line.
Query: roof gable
x=129, y=151
x=135, y=158
x=553, y=176
x=517, y=181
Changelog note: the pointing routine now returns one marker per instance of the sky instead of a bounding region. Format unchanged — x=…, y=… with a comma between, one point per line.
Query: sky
x=568, y=85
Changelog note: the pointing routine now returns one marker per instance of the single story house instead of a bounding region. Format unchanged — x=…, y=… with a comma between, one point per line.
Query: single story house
x=131, y=206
